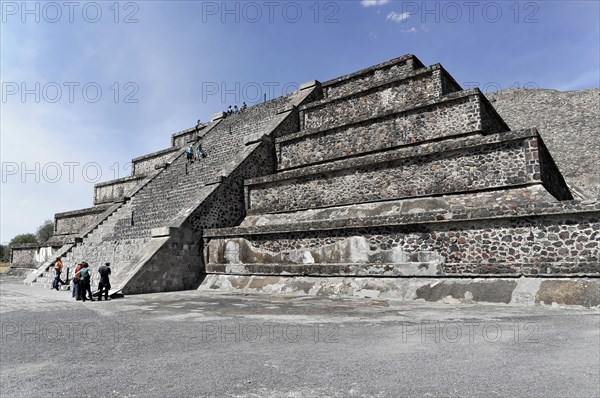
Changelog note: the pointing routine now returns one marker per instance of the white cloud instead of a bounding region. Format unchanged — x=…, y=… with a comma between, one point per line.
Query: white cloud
x=411, y=30
x=371, y=3
x=397, y=17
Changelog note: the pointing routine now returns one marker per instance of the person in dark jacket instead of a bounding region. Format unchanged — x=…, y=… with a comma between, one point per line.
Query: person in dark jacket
x=104, y=284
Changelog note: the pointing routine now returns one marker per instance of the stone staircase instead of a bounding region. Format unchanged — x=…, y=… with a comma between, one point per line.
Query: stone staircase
x=46, y=279
x=184, y=196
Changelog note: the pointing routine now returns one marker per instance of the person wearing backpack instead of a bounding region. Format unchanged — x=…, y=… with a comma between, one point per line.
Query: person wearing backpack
x=84, y=284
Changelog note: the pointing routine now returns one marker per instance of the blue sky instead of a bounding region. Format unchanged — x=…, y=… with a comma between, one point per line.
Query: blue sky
x=161, y=65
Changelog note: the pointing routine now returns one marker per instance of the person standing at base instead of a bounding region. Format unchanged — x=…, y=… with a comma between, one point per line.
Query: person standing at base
x=104, y=284
x=84, y=284
x=58, y=265
x=76, y=293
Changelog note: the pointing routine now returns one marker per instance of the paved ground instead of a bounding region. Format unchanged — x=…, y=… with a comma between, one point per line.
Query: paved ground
x=192, y=344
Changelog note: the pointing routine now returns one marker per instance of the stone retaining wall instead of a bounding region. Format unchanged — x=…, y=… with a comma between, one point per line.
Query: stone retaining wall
x=540, y=245
x=470, y=169
x=30, y=255
x=184, y=137
x=567, y=120
x=145, y=165
x=422, y=86
x=457, y=116
x=111, y=191
x=358, y=81
x=72, y=222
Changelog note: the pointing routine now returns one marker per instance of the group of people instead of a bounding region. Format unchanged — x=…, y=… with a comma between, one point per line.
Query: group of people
x=234, y=110
x=200, y=153
x=81, y=281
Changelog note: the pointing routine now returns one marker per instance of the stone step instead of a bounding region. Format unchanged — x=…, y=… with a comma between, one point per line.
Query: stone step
x=498, y=238
x=466, y=165
x=45, y=280
x=334, y=269
x=49, y=286
x=351, y=256
x=372, y=76
x=409, y=211
x=421, y=85
x=452, y=115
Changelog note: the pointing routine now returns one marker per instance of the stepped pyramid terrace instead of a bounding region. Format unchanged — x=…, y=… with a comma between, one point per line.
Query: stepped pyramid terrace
x=391, y=181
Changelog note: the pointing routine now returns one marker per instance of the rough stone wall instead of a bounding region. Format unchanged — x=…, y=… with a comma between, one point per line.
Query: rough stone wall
x=455, y=117
x=147, y=164
x=289, y=126
x=30, y=255
x=24, y=257
x=482, y=204
x=378, y=74
x=491, y=121
x=569, y=123
x=558, y=244
x=176, y=266
x=122, y=254
x=549, y=173
x=393, y=96
x=182, y=138
x=108, y=192
x=470, y=169
x=117, y=252
x=226, y=206
x=72, y=222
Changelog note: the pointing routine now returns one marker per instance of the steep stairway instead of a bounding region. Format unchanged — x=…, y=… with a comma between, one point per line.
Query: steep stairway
x=187, y=196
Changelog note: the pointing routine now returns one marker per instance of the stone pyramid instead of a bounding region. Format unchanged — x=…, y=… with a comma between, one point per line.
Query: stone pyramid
x=391, y=181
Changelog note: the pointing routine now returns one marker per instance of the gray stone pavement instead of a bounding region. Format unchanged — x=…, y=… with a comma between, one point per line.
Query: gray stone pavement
x=196, y=344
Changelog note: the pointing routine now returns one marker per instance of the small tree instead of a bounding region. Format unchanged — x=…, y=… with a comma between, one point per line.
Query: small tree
x=23, y=238
x=4, y=253
x=45, y=231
